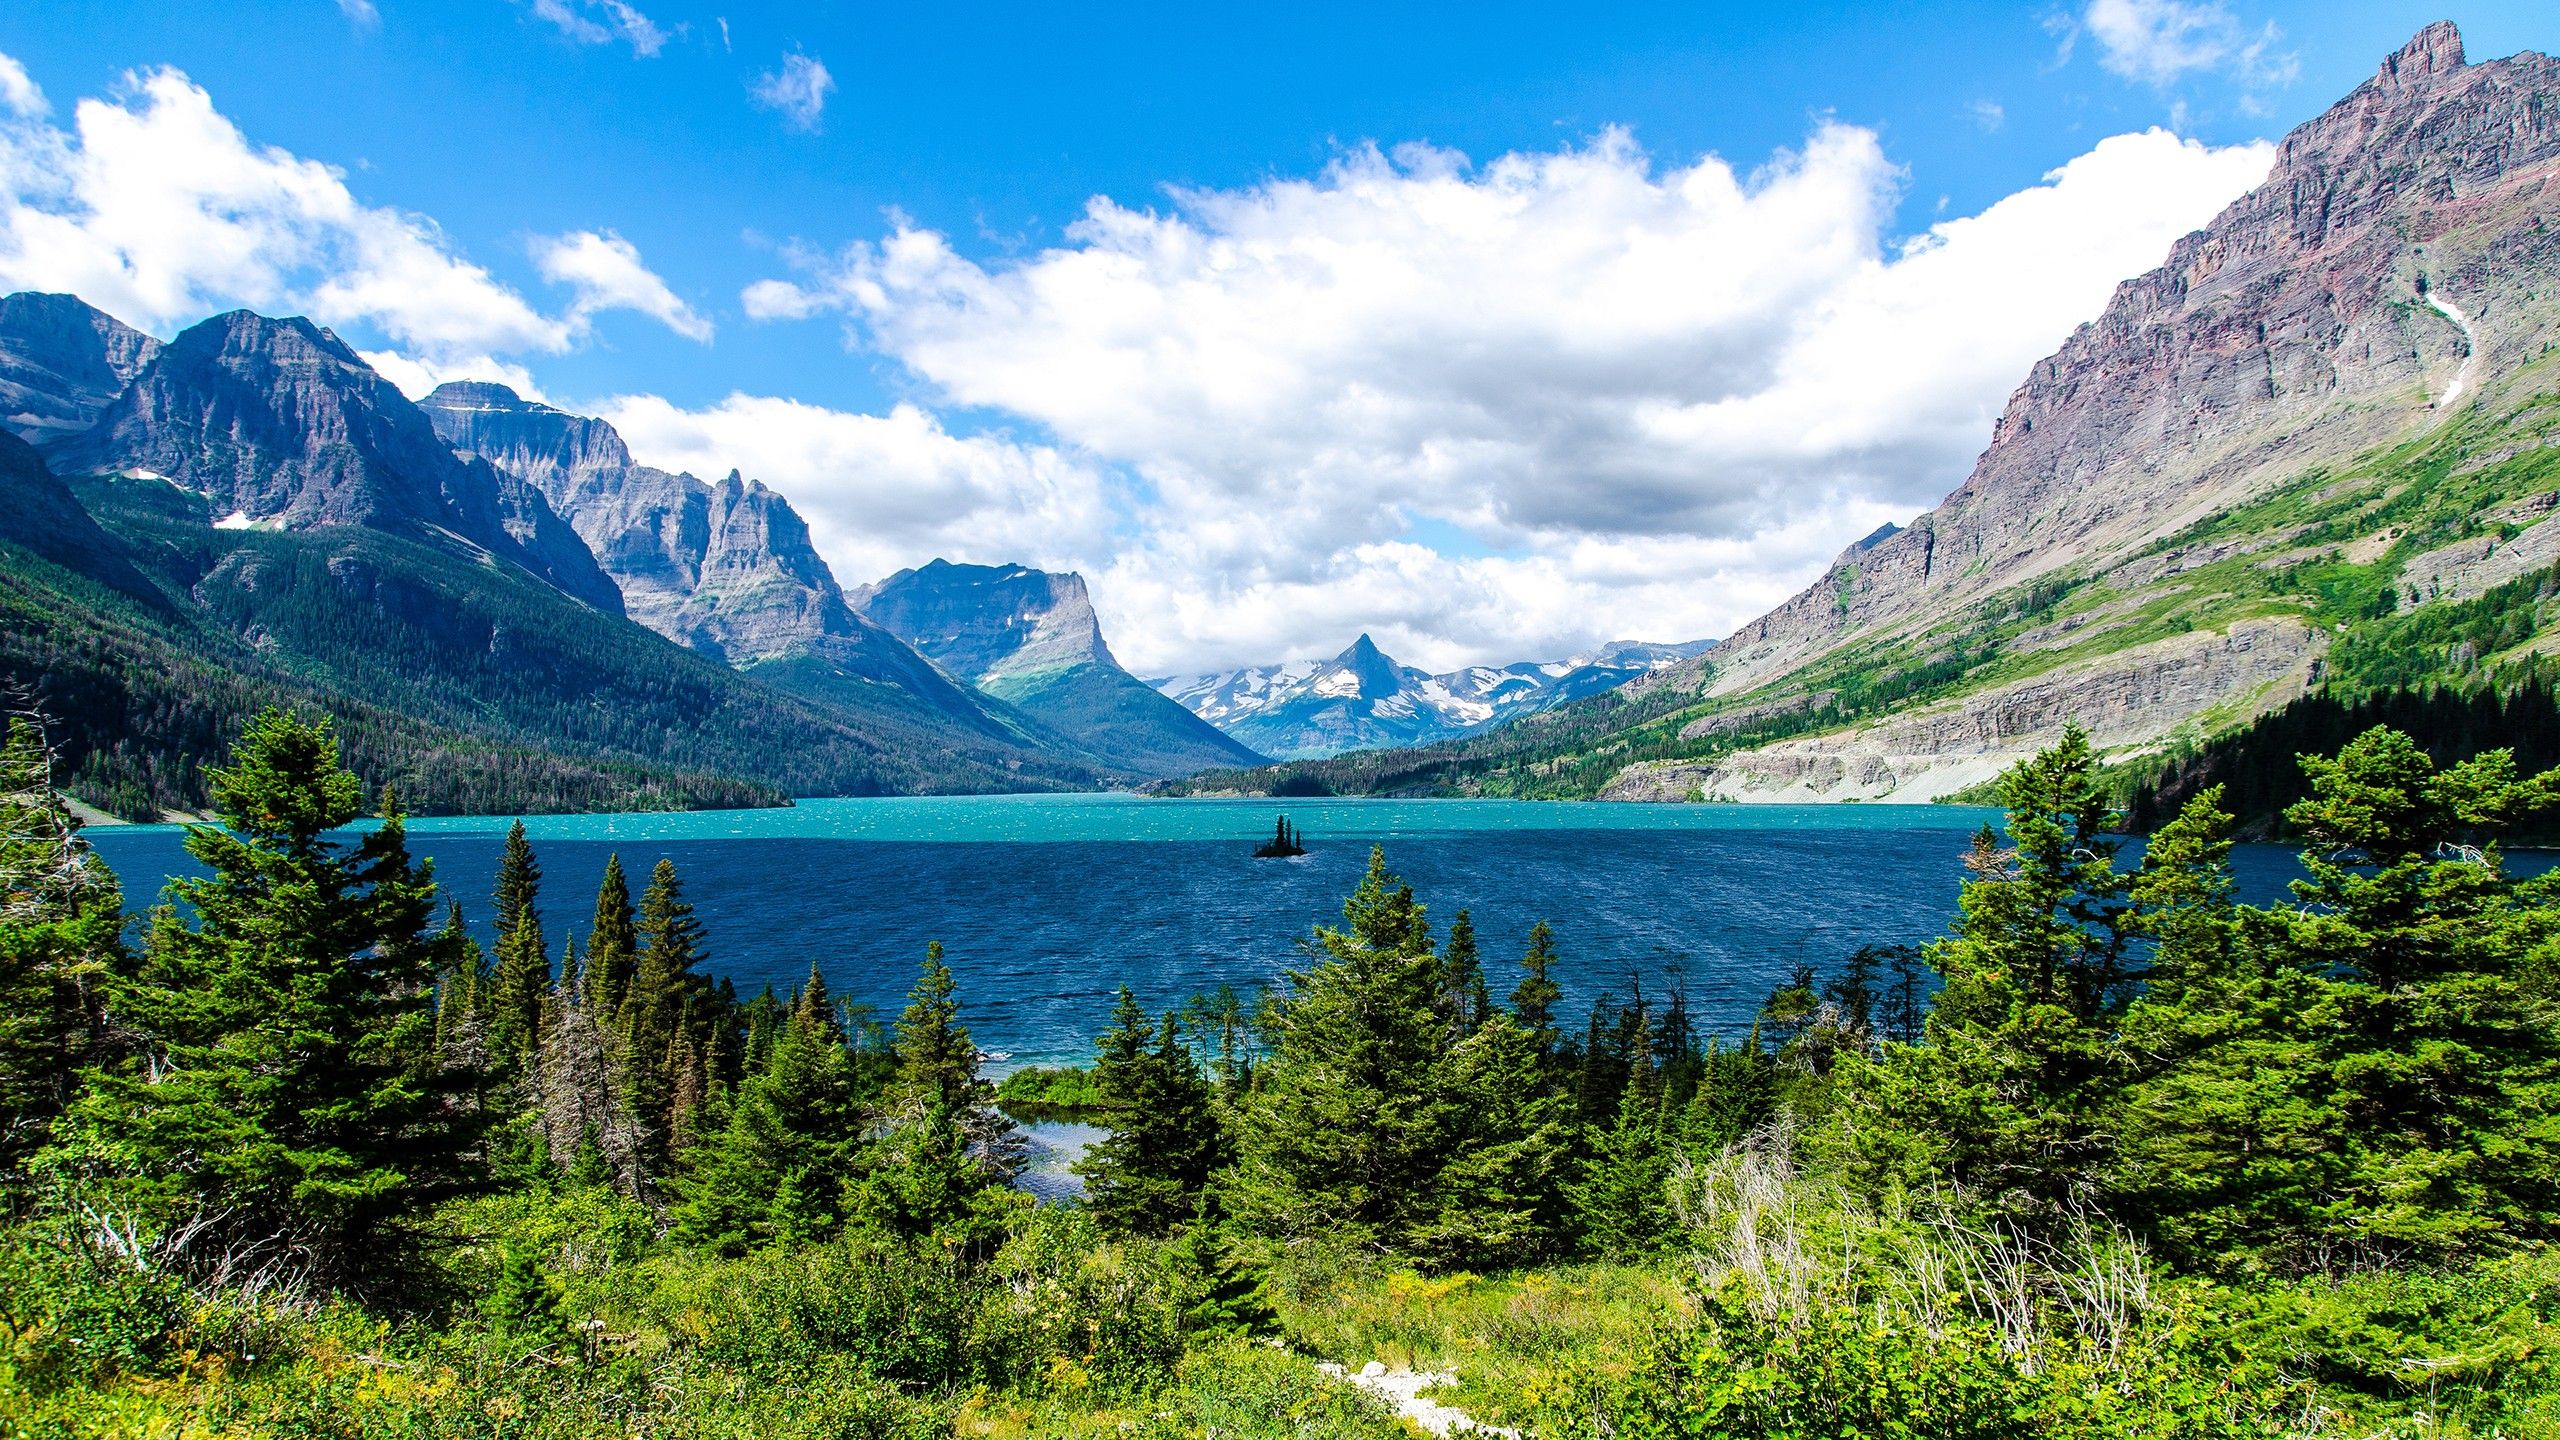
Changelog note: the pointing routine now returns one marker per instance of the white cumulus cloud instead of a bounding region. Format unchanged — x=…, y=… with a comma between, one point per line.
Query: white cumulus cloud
x=2160, y=41
x=606, y=272
x=1545, y=401
x=18, y=93
x=154, y=206
x=884, y=492
x=799, y=90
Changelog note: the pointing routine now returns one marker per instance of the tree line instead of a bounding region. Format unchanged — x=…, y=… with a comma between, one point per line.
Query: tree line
x=303, y=1059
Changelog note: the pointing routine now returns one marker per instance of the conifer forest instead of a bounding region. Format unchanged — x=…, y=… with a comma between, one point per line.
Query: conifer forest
x=290, y=1154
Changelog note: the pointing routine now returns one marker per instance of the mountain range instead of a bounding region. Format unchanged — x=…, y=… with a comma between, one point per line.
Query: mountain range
x=2314, y=449
x=502, y=607
x=1362, y=700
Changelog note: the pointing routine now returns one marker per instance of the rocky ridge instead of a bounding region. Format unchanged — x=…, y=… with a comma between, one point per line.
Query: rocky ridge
x=1363, y=700
x=1031, y=638
x=725, y=567
x=62, y=363
x=2395, y=271
x=276, y=424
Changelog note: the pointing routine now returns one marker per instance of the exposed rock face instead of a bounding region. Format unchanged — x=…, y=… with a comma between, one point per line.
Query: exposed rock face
x=61, y=362
x=278, y=424
x=725, y=568
x=1031, y=638
x=2291, y=328
x=1361, y=700
x=2394, y=264
x=2132, y=701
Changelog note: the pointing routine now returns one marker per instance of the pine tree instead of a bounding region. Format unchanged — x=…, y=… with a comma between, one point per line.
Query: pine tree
x=655, y=1009
x=774, y=1170
x=1463, y=1002
x=1341, y=1138
x=1146, y=1177
x=1500, y=1200
x=2371, y=1067
x=1534, y=1000
x=289, y=999
x=2008, y=1090
x=948, y=1158
x=1624, y=1200
x=523, y=973
x=613, y=942
x=1226, y=1296
x=61, y=941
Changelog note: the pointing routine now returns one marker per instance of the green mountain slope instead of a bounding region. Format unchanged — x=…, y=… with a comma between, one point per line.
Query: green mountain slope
x=473, y=687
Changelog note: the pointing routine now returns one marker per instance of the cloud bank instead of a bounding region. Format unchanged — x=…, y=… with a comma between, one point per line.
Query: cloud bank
x=154, y=207
x=1517, y=407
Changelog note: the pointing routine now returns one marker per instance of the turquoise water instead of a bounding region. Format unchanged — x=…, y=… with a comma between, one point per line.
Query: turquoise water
x=1049, y=903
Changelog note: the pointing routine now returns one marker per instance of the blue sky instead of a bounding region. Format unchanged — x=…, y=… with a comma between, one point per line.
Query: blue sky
x=503, y=128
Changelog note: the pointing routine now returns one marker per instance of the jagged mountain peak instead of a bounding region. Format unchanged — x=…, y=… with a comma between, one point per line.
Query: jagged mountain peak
x=2434, y=50
x=990, y=623
x=1031, y=637
x=277, y=423
x=62, y=362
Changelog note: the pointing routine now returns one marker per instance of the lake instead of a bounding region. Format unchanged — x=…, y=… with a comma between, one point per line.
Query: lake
x=1047, y=904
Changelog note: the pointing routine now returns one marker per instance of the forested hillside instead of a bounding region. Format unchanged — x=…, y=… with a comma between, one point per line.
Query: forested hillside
x=2116, y=1157
x=255, y=516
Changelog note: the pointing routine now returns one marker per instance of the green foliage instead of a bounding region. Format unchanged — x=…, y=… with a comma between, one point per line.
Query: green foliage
x=1064, y=1090
x=1150, y=1173
x=61, y=938
x=293, y=1085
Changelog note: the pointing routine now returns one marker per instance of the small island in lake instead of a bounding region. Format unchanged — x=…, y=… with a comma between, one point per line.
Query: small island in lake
x=1286, y=842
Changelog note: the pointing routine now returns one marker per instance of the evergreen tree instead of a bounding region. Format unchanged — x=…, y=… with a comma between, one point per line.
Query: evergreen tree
x=1463, y=1003
x=657, y=1047
x=1343, y=1136
x=61, y=939
x=948, y=1158
x=288, y=1000
x=2007, y=1092
x=613, y=942
x=1146, y=1177
x=1737, y=1093
x=1624, y=1199
x=774, y=1171
x=2373, y=1066
x=1226, y=1295
x=1500, y=1198
x=523, y=973
x=1534, y=1000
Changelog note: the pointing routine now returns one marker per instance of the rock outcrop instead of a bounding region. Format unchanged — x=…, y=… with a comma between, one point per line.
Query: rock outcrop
x=62, y=362
x=1031, y=638
x=279, y=425
x=2126, y=705
x=2397, y=262
x=726, y=567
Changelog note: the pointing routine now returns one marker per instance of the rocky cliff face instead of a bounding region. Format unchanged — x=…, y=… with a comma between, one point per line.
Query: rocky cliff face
x=726, y=568
x=62, y=362
x=2297, y=326
x=1031, y=638
x=277, y=424
x=2396, y=269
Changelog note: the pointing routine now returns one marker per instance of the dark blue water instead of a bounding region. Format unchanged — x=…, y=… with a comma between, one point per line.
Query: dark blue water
x=1047, y=905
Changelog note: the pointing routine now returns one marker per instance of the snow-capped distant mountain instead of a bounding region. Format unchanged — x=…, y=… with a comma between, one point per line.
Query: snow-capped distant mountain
x=1362, y=700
